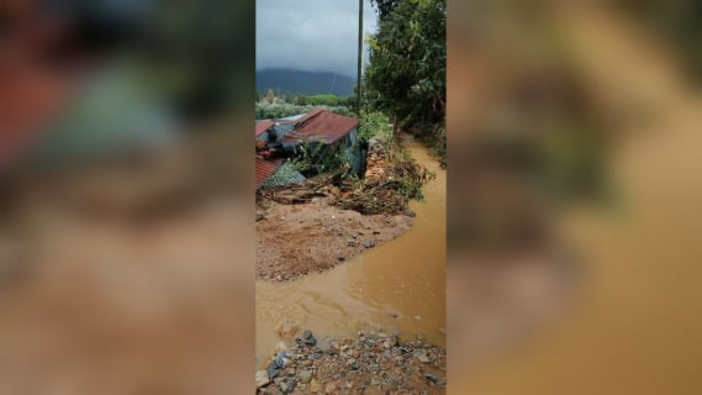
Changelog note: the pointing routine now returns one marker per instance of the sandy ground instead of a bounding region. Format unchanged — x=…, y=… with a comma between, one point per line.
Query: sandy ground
x=294, y=240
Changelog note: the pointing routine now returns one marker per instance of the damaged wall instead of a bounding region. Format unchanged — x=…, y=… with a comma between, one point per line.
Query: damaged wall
x=376, y=161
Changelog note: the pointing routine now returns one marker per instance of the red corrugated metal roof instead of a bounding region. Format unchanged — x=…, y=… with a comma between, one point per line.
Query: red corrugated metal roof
x=303, y=118
x=309, y=116
x=265, y=169
x=263, y=126
x=321, y=125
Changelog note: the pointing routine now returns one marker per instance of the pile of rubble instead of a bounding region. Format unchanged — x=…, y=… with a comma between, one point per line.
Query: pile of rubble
x=371, y=363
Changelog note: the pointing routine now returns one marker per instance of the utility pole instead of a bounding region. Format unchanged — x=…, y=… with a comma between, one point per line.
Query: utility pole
x=360, y=52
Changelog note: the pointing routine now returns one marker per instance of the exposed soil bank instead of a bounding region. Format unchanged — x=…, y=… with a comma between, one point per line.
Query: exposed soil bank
x=294, y=240
x=369, y=364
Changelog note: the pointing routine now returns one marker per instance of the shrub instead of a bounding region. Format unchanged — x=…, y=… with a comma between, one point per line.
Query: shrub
x=324, y=100
x=373, y=124
x=314, y=158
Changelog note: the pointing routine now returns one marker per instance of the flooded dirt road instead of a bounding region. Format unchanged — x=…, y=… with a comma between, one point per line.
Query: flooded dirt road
x=398, y=285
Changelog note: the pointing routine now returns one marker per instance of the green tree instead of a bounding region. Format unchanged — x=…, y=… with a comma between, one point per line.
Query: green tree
x=384, y=7
x=407, y=71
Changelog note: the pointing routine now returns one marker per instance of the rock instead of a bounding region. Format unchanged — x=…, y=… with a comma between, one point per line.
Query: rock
x=272, y=370
x=305, y=376
x=422, y=357
x=368, y=244
x=330, y=388
x=314, y=386
x=282, y=360
x=317, y=355
x=287, y=386
x=410, y=213
x=433, y=379
x=308, y=338
x=324, y=345
x=262, y=379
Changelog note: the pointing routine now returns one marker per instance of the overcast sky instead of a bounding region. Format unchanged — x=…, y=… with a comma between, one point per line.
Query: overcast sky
x=311, y=35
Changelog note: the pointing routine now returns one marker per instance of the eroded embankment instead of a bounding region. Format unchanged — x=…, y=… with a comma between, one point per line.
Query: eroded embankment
x=295, y=240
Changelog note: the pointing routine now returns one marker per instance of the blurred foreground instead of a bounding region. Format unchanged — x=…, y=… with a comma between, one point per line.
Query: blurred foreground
x=126, y=245
x=574, y=132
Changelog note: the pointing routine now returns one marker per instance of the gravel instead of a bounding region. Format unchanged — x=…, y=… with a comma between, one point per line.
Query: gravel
x=369, y=363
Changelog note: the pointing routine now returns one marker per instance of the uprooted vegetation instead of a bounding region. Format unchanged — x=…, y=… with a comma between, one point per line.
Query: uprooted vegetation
x=390, y=196
x=402, y=181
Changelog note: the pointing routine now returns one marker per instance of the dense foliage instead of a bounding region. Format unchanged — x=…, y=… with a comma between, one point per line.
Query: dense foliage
x=407, y=72
x=373, y=124
x=312, y=159
x=385, y=7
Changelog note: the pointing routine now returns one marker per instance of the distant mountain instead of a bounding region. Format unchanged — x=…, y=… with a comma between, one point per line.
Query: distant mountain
x=295, y=82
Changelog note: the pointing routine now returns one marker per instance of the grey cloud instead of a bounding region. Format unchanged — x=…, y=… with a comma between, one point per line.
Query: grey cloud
x=311, y=35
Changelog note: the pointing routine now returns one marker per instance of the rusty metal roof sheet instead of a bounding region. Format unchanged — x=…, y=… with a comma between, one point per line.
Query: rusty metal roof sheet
x=321, y=125
x=309, y=115
x=265, y=169
x=263, y=127
x=298, y=119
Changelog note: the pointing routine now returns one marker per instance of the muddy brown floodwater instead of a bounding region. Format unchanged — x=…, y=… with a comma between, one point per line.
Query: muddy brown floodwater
x=398, y=285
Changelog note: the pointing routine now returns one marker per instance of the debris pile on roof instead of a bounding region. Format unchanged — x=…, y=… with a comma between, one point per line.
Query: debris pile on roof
x=285, y=175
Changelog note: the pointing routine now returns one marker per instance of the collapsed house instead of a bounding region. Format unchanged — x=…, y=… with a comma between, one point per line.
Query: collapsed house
x=320, y=132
